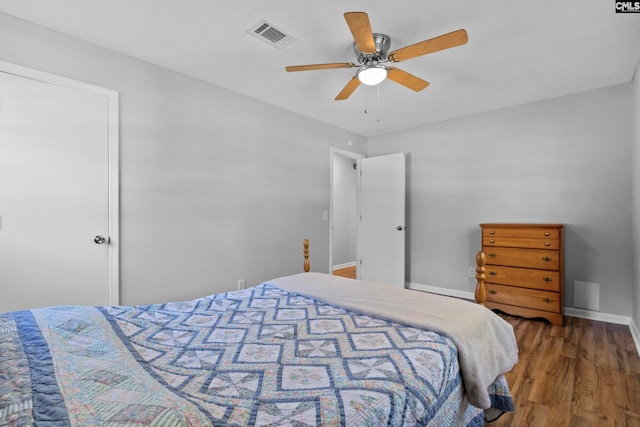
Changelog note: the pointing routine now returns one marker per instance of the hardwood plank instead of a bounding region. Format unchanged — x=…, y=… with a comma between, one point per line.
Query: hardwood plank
x=620, y=392
x=536, y=416
x=632, y=385
x=585, y=388
x=587, y=348
x=348, y=272
x=628, y=419
x=602, y=348
x=585, y=374
x=555, y=388
x=573, y=334
x=617, y=353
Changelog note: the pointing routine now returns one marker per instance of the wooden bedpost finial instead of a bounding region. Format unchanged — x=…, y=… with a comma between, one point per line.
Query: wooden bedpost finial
x=307, y=265
x=481, y=292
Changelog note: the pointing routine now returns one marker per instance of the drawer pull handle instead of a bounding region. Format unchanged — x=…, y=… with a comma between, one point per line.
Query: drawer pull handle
x=492, y=241
x=547, y=300
x=492, y=232
x=493, y=291
x=547, y=234
x=492, y=255
x=547, y=279
x=547, y=244
x=493, y=273
x=547, y=259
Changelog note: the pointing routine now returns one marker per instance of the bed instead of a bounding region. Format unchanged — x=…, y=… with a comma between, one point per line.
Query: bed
x=303, y=350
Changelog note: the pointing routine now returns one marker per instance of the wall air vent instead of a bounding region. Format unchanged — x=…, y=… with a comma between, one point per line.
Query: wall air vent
x=271, y=35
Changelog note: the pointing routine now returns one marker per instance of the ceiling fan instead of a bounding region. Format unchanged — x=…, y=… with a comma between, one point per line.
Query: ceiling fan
x=372, y=56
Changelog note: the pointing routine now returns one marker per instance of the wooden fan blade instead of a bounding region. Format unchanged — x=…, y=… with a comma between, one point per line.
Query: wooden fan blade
x=406, y=79
x=320, y=66
x=360, y=27
x=348, y=89
x=435, y=44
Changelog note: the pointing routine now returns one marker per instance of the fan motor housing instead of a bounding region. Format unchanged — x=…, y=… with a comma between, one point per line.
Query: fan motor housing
x=383, y=43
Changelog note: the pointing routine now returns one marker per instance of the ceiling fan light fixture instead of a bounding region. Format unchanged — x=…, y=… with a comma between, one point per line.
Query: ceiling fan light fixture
x=372, y=75
x=372, y=50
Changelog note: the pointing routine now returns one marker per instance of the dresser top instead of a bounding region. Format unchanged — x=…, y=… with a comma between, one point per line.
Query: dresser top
x=515, y=225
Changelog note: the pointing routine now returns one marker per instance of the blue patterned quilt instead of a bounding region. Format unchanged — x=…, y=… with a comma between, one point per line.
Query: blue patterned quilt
x=259, y=357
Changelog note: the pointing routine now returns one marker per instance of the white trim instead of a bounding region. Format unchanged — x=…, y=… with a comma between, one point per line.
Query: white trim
x=114, y=198
x=114, y=143
x=635, y=334
x=350, y=155
x=569, y=311
x=347, y=154
x=345, y=265
x=441, y=291
x=596, y=315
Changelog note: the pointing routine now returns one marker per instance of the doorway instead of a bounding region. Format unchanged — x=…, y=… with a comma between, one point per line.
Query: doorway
x=343, y=213
x=367, y=221
x=58, y=191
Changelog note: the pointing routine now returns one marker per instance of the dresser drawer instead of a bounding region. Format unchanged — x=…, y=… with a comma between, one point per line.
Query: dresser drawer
x=523, y=297
x=523, y=277
x=521, y=242
x=528, y=258
x=517, y=231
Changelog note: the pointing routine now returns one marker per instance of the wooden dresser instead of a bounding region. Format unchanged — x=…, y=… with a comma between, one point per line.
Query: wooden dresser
x=524, y=269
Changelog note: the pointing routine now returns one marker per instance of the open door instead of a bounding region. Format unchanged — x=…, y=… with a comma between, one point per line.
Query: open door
x=381, y=225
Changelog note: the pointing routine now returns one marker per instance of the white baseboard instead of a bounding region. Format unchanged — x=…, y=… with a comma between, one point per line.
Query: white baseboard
x=442, y=291
x=636, y=335
x=596, y=315
x=569, y=311
x=345, y=265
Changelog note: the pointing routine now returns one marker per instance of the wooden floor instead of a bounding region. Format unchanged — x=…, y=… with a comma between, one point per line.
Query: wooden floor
x=586, y=373
x=349, y=272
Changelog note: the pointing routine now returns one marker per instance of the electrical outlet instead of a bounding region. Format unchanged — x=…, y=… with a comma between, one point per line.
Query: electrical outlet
x=242, y=284
x=472, y=272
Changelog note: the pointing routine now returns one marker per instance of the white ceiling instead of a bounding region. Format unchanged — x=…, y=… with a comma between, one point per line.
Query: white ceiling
x=518, y=51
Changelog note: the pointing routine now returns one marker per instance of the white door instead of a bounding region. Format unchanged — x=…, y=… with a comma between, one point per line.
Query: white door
x=54, y=195
x=381, y=232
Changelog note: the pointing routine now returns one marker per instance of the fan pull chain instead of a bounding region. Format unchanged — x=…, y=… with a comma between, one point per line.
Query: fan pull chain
x=379, y=104
x=379, y=109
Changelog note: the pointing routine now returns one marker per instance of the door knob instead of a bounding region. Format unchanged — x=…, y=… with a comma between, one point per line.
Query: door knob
x=400, y=228
x=100, y=240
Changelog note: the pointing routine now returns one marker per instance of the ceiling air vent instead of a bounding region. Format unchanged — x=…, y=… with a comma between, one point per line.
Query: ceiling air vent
x=271, y=35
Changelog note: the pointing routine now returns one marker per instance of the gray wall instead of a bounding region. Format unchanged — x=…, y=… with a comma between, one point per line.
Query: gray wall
x=636, y=197
x=215, y=187
x=564, y=160
x=214, y=190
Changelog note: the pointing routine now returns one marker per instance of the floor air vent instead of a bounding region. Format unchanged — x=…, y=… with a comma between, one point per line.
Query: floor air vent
x=271, y=35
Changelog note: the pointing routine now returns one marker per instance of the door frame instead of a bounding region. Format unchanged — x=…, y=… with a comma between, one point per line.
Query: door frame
x=113, y=161
x=350, y=155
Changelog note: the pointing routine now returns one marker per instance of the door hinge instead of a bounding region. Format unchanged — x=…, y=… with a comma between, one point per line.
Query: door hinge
x=360, y=262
